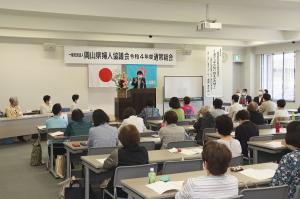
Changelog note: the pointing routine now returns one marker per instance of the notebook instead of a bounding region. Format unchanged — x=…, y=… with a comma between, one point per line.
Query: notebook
x=162, y=187
x=259, y=174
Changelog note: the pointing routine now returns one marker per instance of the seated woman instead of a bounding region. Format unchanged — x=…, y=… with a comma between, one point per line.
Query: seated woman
x=171, y=132
x=14, y=111
x=78, y=126
x=224, y=126
x=130, y=154
x=130, y=117
x=206, y=121
x=216, y=184
x=175, y=106
x=288, y=172
x=245, y=130
x=189, y=110
x=102, y=134
x=255, y=116
x=281, y=114
x=217, y=111
x=149, y=111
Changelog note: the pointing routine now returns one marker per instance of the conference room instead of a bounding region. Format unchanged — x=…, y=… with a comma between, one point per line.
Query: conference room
x=150, y=99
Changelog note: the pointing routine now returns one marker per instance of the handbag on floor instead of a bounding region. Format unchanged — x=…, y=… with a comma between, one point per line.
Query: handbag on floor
x=60, y=166
x=71, y=188
x=36, y=153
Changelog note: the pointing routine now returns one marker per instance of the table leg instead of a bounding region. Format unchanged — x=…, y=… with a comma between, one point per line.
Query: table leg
x=51, y=158
x=255, y=156
x=68, y=165
x=87, y=183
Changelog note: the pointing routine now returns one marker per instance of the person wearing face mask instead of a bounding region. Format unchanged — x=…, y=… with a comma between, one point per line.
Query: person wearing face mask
x=259, y=99
x=46, y=107
x=245, y=98
x=139, y=81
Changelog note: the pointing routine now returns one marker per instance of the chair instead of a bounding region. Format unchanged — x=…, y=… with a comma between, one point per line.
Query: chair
x=261, y=138
x=277, y=192
x=264, y=126
x=297, y=194
x=278, y=136
x=236, y=161
x=204, y=135
x=183, y=123
x=237, y=197
x=79, y=138
x=101, y=150
x=127, y=172
x=148, y=145
x=182, y=144
x=170, y=167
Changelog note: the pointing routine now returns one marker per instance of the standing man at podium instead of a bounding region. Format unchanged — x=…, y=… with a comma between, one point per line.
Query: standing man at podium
x=139, y=81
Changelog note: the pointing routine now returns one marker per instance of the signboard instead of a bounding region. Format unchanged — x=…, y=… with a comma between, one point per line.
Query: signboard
x=214, y=72
x=111, y=55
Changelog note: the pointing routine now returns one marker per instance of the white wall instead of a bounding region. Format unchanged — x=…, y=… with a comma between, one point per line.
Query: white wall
x=29, y=72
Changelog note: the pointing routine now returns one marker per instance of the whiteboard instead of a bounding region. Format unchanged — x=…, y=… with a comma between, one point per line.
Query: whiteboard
x=181, y=86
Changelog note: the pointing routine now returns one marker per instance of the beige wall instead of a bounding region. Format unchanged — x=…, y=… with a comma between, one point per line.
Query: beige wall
x=29, y=72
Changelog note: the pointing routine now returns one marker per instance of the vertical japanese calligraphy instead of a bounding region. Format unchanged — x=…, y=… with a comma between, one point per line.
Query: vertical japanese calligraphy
x=214, y=71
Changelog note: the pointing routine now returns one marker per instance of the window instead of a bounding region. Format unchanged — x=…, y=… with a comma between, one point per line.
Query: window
x=278, y=75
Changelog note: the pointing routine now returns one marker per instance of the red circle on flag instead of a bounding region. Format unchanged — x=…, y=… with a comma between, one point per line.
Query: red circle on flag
x=105, y=74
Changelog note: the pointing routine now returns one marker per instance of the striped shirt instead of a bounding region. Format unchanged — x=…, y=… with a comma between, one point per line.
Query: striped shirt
x=209, y=187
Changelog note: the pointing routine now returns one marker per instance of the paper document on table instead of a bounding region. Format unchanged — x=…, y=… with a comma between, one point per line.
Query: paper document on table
x=173, y=150
x=275, y=144
x=42, y=127
x=259, y=174
x=192, y=151
x=57, y=133
x=101, y=161
x=162, y=187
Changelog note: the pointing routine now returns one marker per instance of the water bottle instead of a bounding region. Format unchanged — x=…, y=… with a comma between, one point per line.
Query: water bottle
x=277, y=127
x=152, y=176
x=293, y=116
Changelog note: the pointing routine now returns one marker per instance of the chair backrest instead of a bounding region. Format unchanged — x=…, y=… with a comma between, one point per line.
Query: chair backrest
x=264, y=126
x=297, y=194
x=101, y=150
x=261, y=138
x=127, y=172
x=79, y=138
x=236, y=161
x=182, y=144
x=52, y=130
x=205, y=131
x=171, y=167
x=279, y=136
x=237, y=197
x=276, y=192
x=183, y=123
x=148, y=145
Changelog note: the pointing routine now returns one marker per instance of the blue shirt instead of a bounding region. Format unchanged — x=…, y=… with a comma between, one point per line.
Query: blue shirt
x=56, y=122
x=103, y=136
x=149, y=112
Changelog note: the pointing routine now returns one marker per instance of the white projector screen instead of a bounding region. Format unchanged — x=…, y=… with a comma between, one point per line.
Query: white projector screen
x=181, y=86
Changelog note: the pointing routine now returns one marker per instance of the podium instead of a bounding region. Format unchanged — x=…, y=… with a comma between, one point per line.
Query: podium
x=136, y=98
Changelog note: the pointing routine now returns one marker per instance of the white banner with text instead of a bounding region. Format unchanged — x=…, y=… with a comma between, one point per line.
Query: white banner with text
x=112, y=55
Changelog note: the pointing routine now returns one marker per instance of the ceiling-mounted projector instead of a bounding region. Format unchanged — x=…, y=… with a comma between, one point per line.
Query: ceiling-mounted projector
x=206, y=25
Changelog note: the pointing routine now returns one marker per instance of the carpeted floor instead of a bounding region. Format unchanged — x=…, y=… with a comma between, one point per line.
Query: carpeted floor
x=19, y=180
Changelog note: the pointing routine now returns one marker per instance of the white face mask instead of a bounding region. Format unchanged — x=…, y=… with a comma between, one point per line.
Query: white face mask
x=140, y=76
x=260, y=93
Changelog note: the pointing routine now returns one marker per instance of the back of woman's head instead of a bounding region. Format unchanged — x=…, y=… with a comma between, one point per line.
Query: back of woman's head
x=128, y=112
x=129, y=136
x=77, y=115
x=170, y=117
x=217, y=157
x=224, y=125
x=292, y=136
x=187, y=100
x=242, y=115
x=252, y=107
x=174, y=103
x=218, y=103
x=100, y=117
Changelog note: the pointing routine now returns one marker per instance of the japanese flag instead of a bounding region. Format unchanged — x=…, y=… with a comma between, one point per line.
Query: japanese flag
x=102, y=75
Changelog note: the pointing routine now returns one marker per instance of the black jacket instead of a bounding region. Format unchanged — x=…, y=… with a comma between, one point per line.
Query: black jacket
x=257, y=118
x=206, y=121
x=135, y=83
x=243, y=133
x=256, y=99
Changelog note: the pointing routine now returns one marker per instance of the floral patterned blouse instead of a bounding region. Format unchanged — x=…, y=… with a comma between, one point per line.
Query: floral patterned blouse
x=288, y=172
